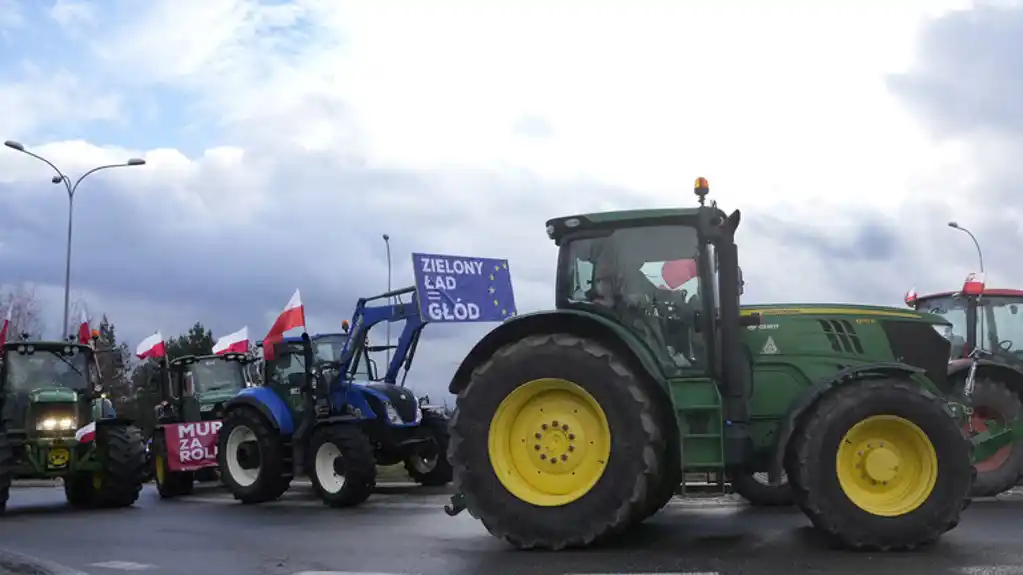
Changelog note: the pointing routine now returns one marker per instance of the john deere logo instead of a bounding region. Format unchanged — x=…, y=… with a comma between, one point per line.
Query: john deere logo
x=59, y=457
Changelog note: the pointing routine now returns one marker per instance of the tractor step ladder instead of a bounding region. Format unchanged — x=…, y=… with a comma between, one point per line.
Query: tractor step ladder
x=698, y=414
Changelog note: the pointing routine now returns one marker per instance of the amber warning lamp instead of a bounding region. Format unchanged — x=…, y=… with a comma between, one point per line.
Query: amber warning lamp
x=344, y=325
x=701, y=188
x=95, y=334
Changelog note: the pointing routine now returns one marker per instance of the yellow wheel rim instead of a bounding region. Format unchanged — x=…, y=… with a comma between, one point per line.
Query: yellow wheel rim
x=97, y=480
x=549, y=442
x=158, y=463
x=887, y=465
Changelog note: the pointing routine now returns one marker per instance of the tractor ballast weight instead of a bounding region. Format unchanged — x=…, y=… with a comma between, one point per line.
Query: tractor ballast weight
x=192, y=389
x=56, y=422
x=593, y=411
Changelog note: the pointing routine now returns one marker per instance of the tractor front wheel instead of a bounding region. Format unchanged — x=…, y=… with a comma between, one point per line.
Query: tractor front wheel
x=342, y=467
x=122, y=458
x=992, y=401
x=252, y=458
x=556, y=443
x=756, y=488
x=431, y=467
x=866, y=470
x=6, y=463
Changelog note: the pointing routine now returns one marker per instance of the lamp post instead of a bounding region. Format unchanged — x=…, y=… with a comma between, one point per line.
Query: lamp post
x=387, y=246
x=60, y=178
x=980, y=254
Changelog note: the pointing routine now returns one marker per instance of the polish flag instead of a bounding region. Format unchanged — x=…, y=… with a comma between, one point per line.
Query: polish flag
x=4, y=326
x=83, y=329
x=237, y=342
x=152, y=346
x=293, y=316
x=911, y=297
x=677, y=272
x=86, y=434
x=974, y=284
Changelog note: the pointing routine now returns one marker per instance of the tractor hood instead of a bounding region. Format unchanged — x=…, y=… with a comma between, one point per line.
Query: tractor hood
x=832, y=310
x=53, y=395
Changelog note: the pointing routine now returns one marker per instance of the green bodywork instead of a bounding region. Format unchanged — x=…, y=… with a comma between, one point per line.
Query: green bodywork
x=44, y=408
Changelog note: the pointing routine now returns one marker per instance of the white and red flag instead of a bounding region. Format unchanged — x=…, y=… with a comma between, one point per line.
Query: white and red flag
x=237, y=342
x=86, y=434
x=5, y=326
x=974, y=284
x=152, y=346
x=293, y=316
x=911, y=297
x=83, y=329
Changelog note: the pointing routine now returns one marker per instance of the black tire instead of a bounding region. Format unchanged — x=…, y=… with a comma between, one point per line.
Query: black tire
x=274, y=472
x=754, y=487
x=439, y=471
x=356, y=459
x=994, y=396
x=123, y=459
x=618, y=498
x=814, y=479
x=169, y=484
x=6, y=465
x=662, y=488
x=78, y=489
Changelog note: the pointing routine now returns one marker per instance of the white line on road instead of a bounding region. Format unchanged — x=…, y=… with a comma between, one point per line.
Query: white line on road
x=662, y=573
x=123, y=565
x=992, y=570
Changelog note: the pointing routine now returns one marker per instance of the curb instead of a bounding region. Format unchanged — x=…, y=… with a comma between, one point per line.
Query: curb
x=12, y=563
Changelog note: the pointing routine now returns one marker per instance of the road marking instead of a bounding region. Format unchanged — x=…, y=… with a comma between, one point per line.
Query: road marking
x=342, y=573
x=660, y=573
x=992, y=570
x=123, y=565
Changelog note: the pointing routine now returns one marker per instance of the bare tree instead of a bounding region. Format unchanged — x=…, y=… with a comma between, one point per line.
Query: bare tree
x=26, y=314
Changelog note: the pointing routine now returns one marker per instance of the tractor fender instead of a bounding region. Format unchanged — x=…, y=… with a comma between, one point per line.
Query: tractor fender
x=581, y=323
x=355, y=397
x=268, y=404
x=787, y=425
x=1011, y=376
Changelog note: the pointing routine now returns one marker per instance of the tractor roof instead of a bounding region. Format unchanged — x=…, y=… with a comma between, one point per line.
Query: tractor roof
x=47, y=344
x=994, y=292
x=840, y=309
x=298, y=338
x=559, y=227
x=187, y=359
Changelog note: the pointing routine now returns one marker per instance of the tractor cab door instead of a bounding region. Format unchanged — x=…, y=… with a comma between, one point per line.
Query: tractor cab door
x=1002, y=328
x=190, y=408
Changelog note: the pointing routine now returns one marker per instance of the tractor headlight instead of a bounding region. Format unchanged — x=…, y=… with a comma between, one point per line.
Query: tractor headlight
x=392, y=414
x=56, y=423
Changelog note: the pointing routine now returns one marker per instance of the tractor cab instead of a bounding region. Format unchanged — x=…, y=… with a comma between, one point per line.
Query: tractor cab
x=47, y=387
x=195, y=388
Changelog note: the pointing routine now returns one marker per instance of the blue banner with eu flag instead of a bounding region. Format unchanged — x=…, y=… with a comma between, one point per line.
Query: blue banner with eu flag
x=459, y=289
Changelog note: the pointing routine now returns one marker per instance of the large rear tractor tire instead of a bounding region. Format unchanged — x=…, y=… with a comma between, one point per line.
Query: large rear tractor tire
x=663, y=486
x=170, y=484
x=342, y=466
x=992, y=400
x=432, y=468
x=251, y=457
x=122, y=457
x=865, y=466
x=555, y=443
x=756, y=488
x=6, y=465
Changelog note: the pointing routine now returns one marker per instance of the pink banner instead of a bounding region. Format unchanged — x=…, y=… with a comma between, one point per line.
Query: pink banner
x=191, y=446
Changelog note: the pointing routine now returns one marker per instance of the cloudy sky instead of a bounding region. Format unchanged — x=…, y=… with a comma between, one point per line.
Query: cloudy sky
x=283, y=138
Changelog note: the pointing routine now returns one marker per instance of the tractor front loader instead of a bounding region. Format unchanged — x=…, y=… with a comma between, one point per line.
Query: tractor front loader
x=55, y=422
x=574, y=424
x=192, y=390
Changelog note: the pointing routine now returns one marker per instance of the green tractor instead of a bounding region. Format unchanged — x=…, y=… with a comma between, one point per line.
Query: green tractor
x=192, y=389
x=574, y=424
x=55, y=422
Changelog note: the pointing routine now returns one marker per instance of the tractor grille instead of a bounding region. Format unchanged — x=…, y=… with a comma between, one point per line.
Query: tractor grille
x=842, y=336
x=918, y=344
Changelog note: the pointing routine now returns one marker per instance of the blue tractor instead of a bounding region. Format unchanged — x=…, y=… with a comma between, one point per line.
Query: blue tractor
x=322, y=411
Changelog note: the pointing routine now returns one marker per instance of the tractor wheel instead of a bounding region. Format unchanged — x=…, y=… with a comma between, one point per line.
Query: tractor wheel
x=122, y=458
x=866, y=469
x=755, y=488
x=342, y=466
x=992, y=400
x=78, y=489
x=432, y=469
x=6, y=463
x=555, y=443
x=251, y=456
x=171, y=484
x=663, y=487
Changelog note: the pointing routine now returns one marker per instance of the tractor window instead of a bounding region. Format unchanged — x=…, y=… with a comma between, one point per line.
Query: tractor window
x=646, y=279
x=47, y=368
x=953, y=310
x=216, y=375
x=1006, y=326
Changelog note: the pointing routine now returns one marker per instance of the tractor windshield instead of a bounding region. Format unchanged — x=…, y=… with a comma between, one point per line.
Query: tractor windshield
x=216, y=374
x=329, y=347
x=646, y=278
x=287, y=369
x=29, y=368
x=953, y=309
x=999, y=323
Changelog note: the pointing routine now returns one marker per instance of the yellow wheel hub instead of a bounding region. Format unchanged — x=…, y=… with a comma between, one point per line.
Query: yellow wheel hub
x=887, y=465
x=158, y=463
x=549, y=442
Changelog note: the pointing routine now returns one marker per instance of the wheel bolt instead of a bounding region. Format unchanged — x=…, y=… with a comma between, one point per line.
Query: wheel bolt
x=564, y=458
x=564, y=427
x=553, y=461
x=538, y=436
x=543, y=426
x=542, y=456
x=571, y=448
x=536, y=447
x=554, y=423
x=571, y=436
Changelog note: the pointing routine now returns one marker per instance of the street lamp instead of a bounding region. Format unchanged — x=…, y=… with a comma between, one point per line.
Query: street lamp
x=980, y=254
x=387, y=245
x=60, y=178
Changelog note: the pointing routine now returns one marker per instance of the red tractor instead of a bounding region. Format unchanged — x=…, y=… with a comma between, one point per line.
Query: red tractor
x=990, y=319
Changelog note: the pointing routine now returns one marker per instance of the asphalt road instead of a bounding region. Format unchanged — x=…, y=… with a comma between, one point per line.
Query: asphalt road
x=406, y=532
